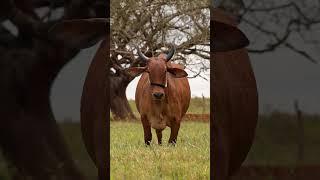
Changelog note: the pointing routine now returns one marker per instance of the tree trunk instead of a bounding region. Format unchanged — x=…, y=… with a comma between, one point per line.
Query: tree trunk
x=119, y=104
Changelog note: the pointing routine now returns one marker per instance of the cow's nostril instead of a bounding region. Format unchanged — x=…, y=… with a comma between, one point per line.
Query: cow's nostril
x=158, y=95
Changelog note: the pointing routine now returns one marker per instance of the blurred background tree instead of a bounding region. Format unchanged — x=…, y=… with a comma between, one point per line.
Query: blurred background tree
x=291, y=24
x=30, y=60
x=285, y=35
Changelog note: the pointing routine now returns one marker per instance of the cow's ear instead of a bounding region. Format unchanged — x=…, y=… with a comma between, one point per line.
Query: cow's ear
x=177, y=73
x=79, y=33
x=136, y=71
x=227, y=37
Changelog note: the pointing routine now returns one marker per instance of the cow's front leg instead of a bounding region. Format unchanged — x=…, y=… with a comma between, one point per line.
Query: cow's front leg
x=174, y=132
x=147, y=130
x=159, y=135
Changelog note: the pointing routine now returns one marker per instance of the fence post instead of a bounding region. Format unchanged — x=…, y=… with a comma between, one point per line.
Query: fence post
x=300, y=133
x=203, y=104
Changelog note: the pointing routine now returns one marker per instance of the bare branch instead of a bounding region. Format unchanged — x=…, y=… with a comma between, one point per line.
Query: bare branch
x=274, y=24
x=302, y=53
x=155, y=25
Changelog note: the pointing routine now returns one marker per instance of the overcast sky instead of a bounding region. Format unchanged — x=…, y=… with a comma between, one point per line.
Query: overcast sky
x=283, y=76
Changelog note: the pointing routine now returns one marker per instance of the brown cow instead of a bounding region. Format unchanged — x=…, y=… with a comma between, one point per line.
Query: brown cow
x=163, y=92
x=162, y=95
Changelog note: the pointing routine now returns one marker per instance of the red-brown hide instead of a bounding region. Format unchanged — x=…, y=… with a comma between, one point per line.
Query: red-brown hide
x=171, y=108
x=235, y=106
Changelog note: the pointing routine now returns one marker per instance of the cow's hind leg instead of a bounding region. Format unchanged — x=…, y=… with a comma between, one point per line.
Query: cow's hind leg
x=147, y=130
x=159, y=135
x=174, y=132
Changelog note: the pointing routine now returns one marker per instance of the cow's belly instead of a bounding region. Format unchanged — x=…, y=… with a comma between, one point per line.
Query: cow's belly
x=159, y=121
x=161, y=116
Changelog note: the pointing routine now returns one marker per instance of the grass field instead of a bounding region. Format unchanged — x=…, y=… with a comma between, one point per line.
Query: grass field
x=72, y=134
x=275, y=144
x=131, y=159
x=190, y=159
x=276, y=140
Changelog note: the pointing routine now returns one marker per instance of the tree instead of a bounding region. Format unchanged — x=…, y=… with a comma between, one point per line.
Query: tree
x=291, y=24
x=30, y=59
x=154, y=25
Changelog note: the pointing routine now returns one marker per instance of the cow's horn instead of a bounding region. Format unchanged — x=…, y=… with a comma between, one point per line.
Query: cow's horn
x=141, y=55
x=171, y=52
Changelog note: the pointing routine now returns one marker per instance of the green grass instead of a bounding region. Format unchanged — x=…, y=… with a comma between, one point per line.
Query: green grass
x=276, y=140
x=275, y=144
x=4, y=174
x=72, y=134
x=131, y=159
x=73, y=137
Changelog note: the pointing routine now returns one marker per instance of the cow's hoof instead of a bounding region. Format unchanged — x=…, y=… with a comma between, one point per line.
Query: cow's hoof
x=147, y=143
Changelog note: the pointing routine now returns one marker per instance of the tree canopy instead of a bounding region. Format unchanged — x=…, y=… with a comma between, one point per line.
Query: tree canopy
x=154, y=25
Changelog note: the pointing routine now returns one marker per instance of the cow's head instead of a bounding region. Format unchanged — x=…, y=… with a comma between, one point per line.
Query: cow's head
x=158, y=68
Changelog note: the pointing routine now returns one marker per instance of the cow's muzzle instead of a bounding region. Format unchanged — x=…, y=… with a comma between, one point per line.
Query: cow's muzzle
x=158, y=95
